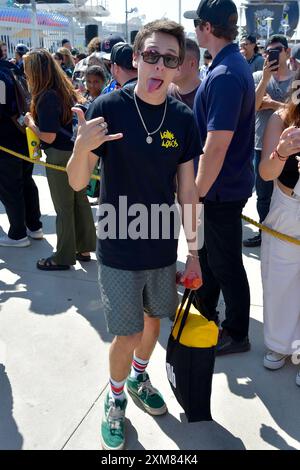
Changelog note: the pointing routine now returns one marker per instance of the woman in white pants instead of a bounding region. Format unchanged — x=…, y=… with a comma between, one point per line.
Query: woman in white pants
x=280, y=260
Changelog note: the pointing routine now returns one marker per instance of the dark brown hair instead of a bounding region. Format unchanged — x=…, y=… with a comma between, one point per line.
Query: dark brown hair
x=161, y=26
x=43, y=74
x=229, y=32
x=192, y=47
x=291, y=112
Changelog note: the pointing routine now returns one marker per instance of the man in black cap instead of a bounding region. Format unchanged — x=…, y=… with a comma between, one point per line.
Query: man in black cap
x=272, y=86
x=122, y=68
x=106, y=48
x=249, y=50
x=21, y=49
x=66, y=43
x=224, y=109
x=108, y=43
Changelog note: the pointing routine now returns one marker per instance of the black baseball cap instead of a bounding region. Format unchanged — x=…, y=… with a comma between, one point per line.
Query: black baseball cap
x=121, y=54
x=108, y=43
x=215, y=12
x=21, y=49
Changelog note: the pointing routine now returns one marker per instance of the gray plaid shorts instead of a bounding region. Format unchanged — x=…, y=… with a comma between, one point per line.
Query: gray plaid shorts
x=127, y=295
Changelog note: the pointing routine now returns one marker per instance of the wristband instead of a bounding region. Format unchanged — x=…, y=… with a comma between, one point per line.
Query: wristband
x=280, y=157
x=192, y=256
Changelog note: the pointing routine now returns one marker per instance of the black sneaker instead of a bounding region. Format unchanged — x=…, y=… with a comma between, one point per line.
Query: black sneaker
x=252, y=242
x=227, y=345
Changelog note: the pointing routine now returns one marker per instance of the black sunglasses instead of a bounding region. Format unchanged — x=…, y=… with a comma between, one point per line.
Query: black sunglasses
x=170, y=61
x=199, y=22
x=277, y=48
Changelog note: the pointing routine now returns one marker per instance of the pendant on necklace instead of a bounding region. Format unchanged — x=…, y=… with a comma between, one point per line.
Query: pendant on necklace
x=149, y=139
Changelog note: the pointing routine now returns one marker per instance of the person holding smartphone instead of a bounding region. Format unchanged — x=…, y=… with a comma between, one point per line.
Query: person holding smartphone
x=272, y=85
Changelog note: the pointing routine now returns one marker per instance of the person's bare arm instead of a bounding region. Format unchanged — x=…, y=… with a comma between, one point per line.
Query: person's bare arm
x=286, y=142
x=260, y=91
x=211, y=162
x=91, y=134
x=268, y=103
x=187, y=196
x=48, y=137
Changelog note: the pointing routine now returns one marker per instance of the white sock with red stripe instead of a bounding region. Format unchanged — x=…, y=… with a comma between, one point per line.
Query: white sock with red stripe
x=117, y=389
x=138, y=367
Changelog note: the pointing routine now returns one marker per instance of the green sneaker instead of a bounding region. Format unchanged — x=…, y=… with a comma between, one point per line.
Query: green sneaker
x=150, y=398
x=113, y=424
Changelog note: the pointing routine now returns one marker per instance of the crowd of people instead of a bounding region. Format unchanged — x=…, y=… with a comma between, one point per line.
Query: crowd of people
x=160, y=125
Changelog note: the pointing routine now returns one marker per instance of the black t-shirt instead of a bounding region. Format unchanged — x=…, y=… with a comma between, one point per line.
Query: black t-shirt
x=290, y=174
x=49, y=111
x=142, y=173
x=188, y=98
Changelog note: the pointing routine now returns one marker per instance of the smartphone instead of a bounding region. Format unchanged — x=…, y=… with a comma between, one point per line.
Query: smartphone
x=273, y=54
x=21, y=120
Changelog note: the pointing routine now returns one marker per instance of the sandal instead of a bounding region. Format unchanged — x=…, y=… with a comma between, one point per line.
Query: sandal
x=81, y=257
x=47, y=264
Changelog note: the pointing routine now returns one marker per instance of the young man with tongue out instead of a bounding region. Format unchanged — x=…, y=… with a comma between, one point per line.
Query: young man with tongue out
x=145, y=140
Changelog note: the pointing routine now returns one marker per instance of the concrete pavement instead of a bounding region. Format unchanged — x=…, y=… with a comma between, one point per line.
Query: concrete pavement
x=54, y=364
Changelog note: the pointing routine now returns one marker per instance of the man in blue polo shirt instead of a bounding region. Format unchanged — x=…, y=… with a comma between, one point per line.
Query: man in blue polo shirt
x=224, y=109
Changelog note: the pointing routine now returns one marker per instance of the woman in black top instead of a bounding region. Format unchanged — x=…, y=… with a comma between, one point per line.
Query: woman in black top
x=51, y=119
x=281, y=259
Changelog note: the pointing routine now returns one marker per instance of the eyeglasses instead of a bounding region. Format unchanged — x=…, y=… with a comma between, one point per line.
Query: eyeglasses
x=170, y=61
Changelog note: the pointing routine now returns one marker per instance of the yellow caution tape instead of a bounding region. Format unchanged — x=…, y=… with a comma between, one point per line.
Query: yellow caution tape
x=38, y=162
x=262, y=227
x=272, y=232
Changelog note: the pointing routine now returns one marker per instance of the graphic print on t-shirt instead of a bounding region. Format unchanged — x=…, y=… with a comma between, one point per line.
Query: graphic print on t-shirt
x=168, y=140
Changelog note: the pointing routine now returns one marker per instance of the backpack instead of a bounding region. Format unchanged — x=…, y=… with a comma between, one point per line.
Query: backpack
x=23, y=99
x=23, y=96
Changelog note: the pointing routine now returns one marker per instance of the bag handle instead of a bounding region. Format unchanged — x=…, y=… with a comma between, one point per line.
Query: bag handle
x=187, y=296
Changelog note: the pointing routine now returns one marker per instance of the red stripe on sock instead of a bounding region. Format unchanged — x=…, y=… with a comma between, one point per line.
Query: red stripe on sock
x=116, y=389
x=139, y=366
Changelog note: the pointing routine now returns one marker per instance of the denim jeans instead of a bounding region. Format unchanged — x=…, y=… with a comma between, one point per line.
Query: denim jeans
x=264, y=190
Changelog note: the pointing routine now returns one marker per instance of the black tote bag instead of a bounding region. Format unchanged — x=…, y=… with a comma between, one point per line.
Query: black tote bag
x=190, y=369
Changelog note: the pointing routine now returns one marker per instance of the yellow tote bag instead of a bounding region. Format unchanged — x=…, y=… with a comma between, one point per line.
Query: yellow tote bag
x=198, y=332
x=33, y=143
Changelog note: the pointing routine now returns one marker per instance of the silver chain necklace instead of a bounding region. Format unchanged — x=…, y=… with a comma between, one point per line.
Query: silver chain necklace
x=149, y=138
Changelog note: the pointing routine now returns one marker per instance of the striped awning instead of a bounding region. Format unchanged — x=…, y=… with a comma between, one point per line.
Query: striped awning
x=23, y=16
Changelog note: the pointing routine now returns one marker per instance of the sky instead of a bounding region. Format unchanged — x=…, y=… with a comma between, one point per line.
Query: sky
x=154, y=9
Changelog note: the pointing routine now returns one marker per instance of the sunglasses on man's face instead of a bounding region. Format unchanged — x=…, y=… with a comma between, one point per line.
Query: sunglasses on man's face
x=277, y=48
x=170, y=61
x=199, y=22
